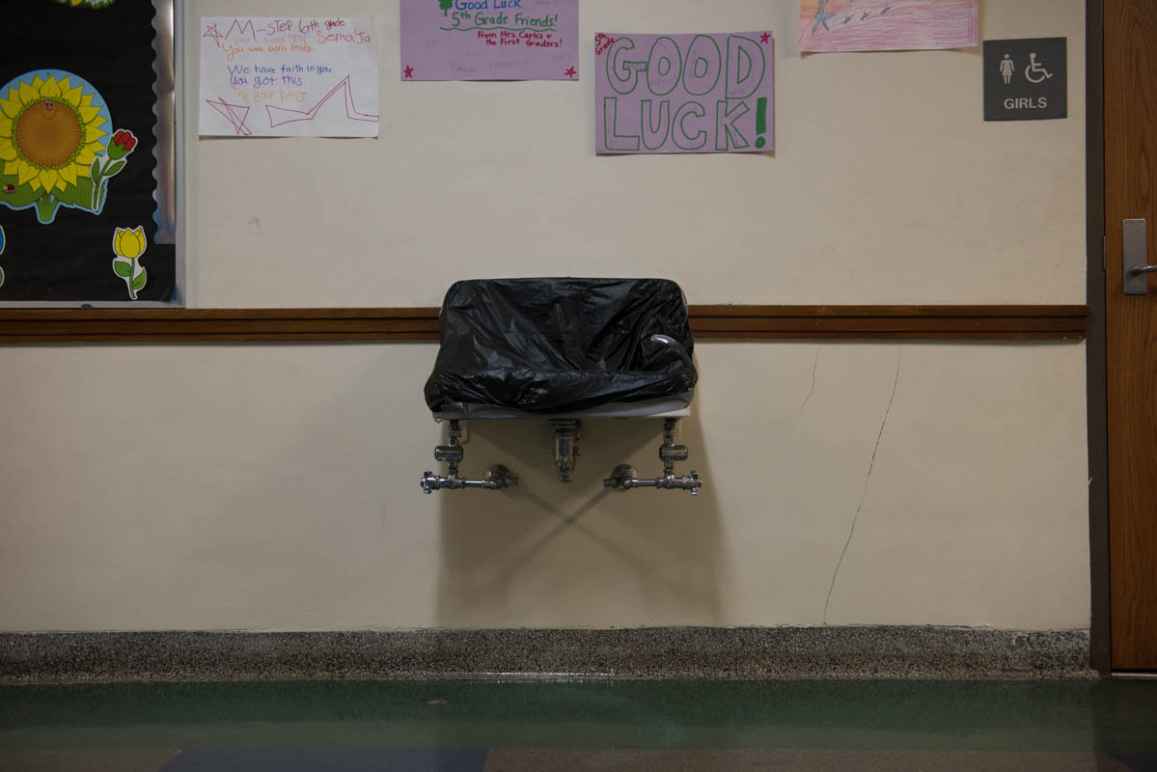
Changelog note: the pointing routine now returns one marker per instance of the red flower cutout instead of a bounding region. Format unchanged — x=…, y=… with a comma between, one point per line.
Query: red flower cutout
x=765, y=38
x=571, y=72
x=408, y=72
x=124, y=139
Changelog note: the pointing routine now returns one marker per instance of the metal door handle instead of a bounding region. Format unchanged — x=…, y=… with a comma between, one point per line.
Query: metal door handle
x=1137, y=267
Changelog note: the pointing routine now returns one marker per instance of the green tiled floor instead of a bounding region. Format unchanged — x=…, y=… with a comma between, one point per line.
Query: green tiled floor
x=520, y=727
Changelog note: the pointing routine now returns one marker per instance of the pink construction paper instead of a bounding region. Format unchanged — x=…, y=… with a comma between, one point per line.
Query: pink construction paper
x=887, y=25
x=490, y=40
x=685, y=93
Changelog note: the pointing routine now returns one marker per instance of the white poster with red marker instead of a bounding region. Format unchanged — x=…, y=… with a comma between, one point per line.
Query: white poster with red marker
x=265, y=76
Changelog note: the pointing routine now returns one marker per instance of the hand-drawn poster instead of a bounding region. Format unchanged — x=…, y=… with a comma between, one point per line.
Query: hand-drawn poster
x=685, y=93
x=288, y=77
x=490, y=40
x=77, y=142
x=828, y=26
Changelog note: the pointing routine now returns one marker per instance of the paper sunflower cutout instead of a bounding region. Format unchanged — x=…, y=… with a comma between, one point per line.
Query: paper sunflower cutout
x=54, y=144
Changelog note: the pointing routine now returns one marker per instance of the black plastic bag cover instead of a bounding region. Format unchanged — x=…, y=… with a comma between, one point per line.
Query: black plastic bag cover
x=561, y=345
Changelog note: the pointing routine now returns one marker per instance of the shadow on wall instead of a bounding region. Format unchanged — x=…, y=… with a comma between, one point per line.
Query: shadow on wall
x=551, y=554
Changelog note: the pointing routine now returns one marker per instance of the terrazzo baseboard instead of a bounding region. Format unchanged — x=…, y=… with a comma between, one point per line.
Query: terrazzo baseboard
x=668, y=653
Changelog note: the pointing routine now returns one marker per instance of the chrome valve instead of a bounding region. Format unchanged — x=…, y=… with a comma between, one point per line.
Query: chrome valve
x=500, y=478
x=566, y=447
x=625, y=478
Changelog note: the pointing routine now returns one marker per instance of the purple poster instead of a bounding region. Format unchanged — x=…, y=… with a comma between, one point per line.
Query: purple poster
x=490, y=40
x=685, y=93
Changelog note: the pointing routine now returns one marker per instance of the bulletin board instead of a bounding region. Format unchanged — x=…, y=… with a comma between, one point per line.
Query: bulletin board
x=886, y=186
x=81, y=214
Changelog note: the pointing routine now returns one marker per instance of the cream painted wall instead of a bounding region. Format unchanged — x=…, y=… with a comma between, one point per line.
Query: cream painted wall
x=275, y=488
x=887, y=186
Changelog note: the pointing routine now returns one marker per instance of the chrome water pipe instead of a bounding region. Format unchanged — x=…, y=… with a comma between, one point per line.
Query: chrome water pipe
x=453, y=454
x=625, y=478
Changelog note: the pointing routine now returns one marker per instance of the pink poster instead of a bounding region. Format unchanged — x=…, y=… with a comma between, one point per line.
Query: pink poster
x=685, y=93
x=490, y=40
x=828, y=26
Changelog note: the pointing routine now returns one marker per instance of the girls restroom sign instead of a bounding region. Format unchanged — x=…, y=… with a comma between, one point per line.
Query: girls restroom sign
x=685, y=93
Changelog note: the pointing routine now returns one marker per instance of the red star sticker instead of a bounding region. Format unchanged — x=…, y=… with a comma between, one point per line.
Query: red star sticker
x=765, y=38
x=571, y=72
x=408, y=72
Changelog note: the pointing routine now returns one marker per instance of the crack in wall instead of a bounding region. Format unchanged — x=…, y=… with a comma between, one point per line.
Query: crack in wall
x=867, y=485
x=812, y=390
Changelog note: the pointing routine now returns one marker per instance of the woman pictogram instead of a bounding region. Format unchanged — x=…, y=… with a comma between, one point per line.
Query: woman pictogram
x=1007, y=69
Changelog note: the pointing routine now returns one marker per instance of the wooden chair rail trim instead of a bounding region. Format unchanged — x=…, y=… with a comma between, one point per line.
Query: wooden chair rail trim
x=400, y=325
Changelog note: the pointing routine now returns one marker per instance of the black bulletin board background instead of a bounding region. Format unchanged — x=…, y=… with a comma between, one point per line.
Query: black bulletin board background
x=111, y=48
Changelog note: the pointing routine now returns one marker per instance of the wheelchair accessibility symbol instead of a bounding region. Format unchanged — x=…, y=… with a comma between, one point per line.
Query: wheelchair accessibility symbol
x=1036, y=73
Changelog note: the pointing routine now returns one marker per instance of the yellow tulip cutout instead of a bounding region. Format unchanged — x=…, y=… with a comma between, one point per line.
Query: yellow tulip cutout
x=128, y=244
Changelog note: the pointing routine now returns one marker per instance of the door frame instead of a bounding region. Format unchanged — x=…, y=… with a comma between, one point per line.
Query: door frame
x=1097, y=346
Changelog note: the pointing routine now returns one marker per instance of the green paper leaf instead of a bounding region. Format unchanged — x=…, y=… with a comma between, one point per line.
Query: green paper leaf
x=116, y=167
x=122, y=267
x=21, y=197
x=140, y=280
x=94, y=170
x=74, y=195
x=46, y=209
x=83, y=189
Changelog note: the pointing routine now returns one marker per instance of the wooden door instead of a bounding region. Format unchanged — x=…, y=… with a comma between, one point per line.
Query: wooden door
x=1131, y=193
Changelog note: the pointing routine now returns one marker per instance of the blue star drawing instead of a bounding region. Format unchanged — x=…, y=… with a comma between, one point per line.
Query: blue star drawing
x=823, y=15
